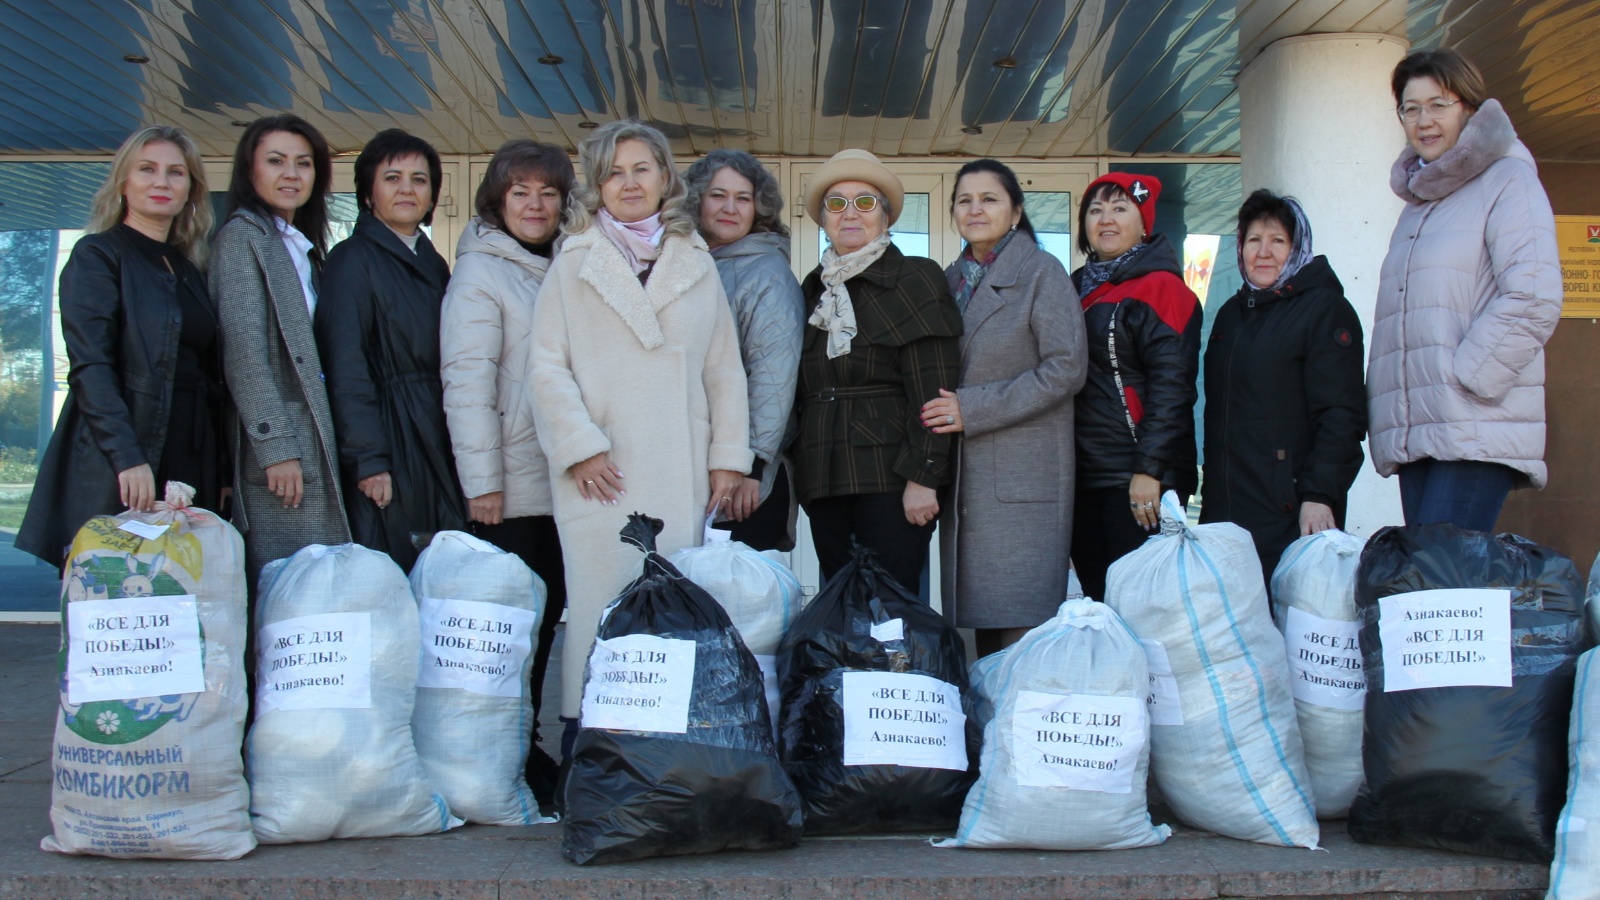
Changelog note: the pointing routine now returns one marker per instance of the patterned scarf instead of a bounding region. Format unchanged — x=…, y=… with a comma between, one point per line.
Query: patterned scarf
x=834, y=313
x=1097, y=272
x=1299, y=254
x=640, y=242
x=972, y=271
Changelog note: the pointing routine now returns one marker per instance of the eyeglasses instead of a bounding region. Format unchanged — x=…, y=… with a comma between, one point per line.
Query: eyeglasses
x=836, y=204
x=1411, y=112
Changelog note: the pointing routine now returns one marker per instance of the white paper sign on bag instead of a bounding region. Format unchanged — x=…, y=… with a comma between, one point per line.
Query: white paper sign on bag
x=474, y=646
x=1163, y=703
x=145, y=530
x=901, y=719
x=1455, y=637
x=1325, y=660
x=1079, y=741
x=132, y=648
x=892, y=630
x=639, y=682
x=315, y=662
x=770, y=686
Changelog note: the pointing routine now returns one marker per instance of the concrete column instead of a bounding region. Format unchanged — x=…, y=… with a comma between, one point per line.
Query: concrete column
x=1317, y=121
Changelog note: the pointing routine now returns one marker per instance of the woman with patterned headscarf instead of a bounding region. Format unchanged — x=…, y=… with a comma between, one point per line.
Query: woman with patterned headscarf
x=1286, y=406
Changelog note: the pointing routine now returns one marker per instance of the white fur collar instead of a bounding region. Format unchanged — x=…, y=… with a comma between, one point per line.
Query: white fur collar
x=684, y=261
x=1487, y=138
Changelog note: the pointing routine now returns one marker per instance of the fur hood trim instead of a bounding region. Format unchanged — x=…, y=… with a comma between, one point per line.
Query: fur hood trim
x=1487, y=138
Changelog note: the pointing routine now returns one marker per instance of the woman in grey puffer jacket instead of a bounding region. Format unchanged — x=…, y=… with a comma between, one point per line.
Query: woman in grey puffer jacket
x=1468, y=295
x=737, y=206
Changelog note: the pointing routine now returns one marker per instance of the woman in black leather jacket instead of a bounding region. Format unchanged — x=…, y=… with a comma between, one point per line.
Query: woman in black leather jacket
x=145, y=396
x=1135, y=415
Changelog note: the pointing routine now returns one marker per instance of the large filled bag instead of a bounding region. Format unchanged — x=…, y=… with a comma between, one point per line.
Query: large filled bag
x=675, y=752
x=153, y=700
x=1470, y=643
x=1066, y=755
x=876, y=728
x=1575, y=871
x=759, y=593
x=479, y=608
x=1314, y=603
x=330, y=754
x=1224, y=743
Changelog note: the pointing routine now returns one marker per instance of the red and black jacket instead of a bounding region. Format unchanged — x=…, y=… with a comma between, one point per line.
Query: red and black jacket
x=1158, y=358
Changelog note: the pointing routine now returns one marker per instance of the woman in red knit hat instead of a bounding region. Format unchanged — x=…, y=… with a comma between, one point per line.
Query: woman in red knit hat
x=1135, y=415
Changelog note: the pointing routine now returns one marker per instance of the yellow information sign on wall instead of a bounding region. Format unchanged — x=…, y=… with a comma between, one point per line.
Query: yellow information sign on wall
x=1578, y=238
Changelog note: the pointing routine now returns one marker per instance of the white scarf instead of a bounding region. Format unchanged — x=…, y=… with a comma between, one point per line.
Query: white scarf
x=640, y=242
x=835, y=314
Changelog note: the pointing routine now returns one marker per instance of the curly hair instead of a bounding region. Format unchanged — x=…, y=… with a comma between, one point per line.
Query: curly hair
x=517, y=159
x=599, y=151
x=192, y=226
x=764, y=188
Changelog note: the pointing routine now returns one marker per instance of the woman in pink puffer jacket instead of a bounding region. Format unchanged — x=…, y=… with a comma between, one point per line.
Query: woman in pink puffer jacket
x=1468, y=295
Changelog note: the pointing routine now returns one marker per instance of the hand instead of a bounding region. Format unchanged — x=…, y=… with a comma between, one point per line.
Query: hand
x=744, y=499
x=138, y=486
x=284, y=479
x=598, y=479
x=1144, y=501
x=922, y=504
x=488, y=509
x=942, y=415
x=724, y=482
x=1315, y=517
x=379, y=488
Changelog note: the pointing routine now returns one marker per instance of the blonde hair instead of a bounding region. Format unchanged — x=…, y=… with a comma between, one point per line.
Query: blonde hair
x=599, y=151
x=192, y=226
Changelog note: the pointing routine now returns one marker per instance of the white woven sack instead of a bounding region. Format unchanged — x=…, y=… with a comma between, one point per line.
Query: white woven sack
x=141, y=767
x=760, y=594
x=1575, y=871
x=480, y=608
x=985, y=685
x=330, y=754
x=1232, y=762
x=1314, y=603
x=1066, y=755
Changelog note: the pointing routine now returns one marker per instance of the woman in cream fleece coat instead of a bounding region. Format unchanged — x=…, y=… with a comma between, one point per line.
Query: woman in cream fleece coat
x=638, y=387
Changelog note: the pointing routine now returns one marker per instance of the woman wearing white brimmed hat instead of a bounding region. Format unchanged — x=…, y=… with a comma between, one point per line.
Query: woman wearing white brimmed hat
x=882, y=339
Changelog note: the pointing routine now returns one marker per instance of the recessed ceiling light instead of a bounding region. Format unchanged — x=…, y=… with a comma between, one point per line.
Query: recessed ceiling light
x=1006, y=62
x=587, y=124
x=137, y=58
x=240, y=123
x=550, y=59
x=972, y=129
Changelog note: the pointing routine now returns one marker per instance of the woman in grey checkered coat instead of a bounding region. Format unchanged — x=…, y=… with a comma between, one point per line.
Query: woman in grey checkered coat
x=264, y=282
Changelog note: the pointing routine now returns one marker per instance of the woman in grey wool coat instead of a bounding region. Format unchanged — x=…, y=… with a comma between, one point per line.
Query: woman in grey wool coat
x=1005, y=541
x=264, y=277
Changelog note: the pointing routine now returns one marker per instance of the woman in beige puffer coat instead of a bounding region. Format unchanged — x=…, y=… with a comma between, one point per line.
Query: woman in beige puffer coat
x=1468, y=295
x=485, y=334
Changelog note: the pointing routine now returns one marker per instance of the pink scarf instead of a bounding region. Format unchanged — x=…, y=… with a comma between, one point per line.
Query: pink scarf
x=640, y=242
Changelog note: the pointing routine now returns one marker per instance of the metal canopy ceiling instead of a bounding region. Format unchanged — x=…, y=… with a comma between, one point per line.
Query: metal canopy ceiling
x=1044, y=78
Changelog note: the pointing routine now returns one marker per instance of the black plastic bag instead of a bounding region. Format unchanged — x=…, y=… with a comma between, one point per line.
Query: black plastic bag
x=834, y=636
x=1474, y=769
x=718, y=785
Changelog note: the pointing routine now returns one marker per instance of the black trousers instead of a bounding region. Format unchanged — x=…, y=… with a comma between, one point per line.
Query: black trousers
x=768, y=527
x=877, y=521
x=534, y=539
x=1103, y=531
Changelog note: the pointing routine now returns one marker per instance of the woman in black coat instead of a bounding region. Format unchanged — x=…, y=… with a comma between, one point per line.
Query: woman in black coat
x=1135, y=415
x=145, y=399
x=377, y=327
x=1286, y=406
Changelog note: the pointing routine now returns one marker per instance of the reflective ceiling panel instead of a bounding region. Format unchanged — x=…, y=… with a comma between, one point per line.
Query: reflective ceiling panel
x=1046, y=78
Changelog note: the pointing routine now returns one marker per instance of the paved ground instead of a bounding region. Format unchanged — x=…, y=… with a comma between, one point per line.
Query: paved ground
x=505, y=863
